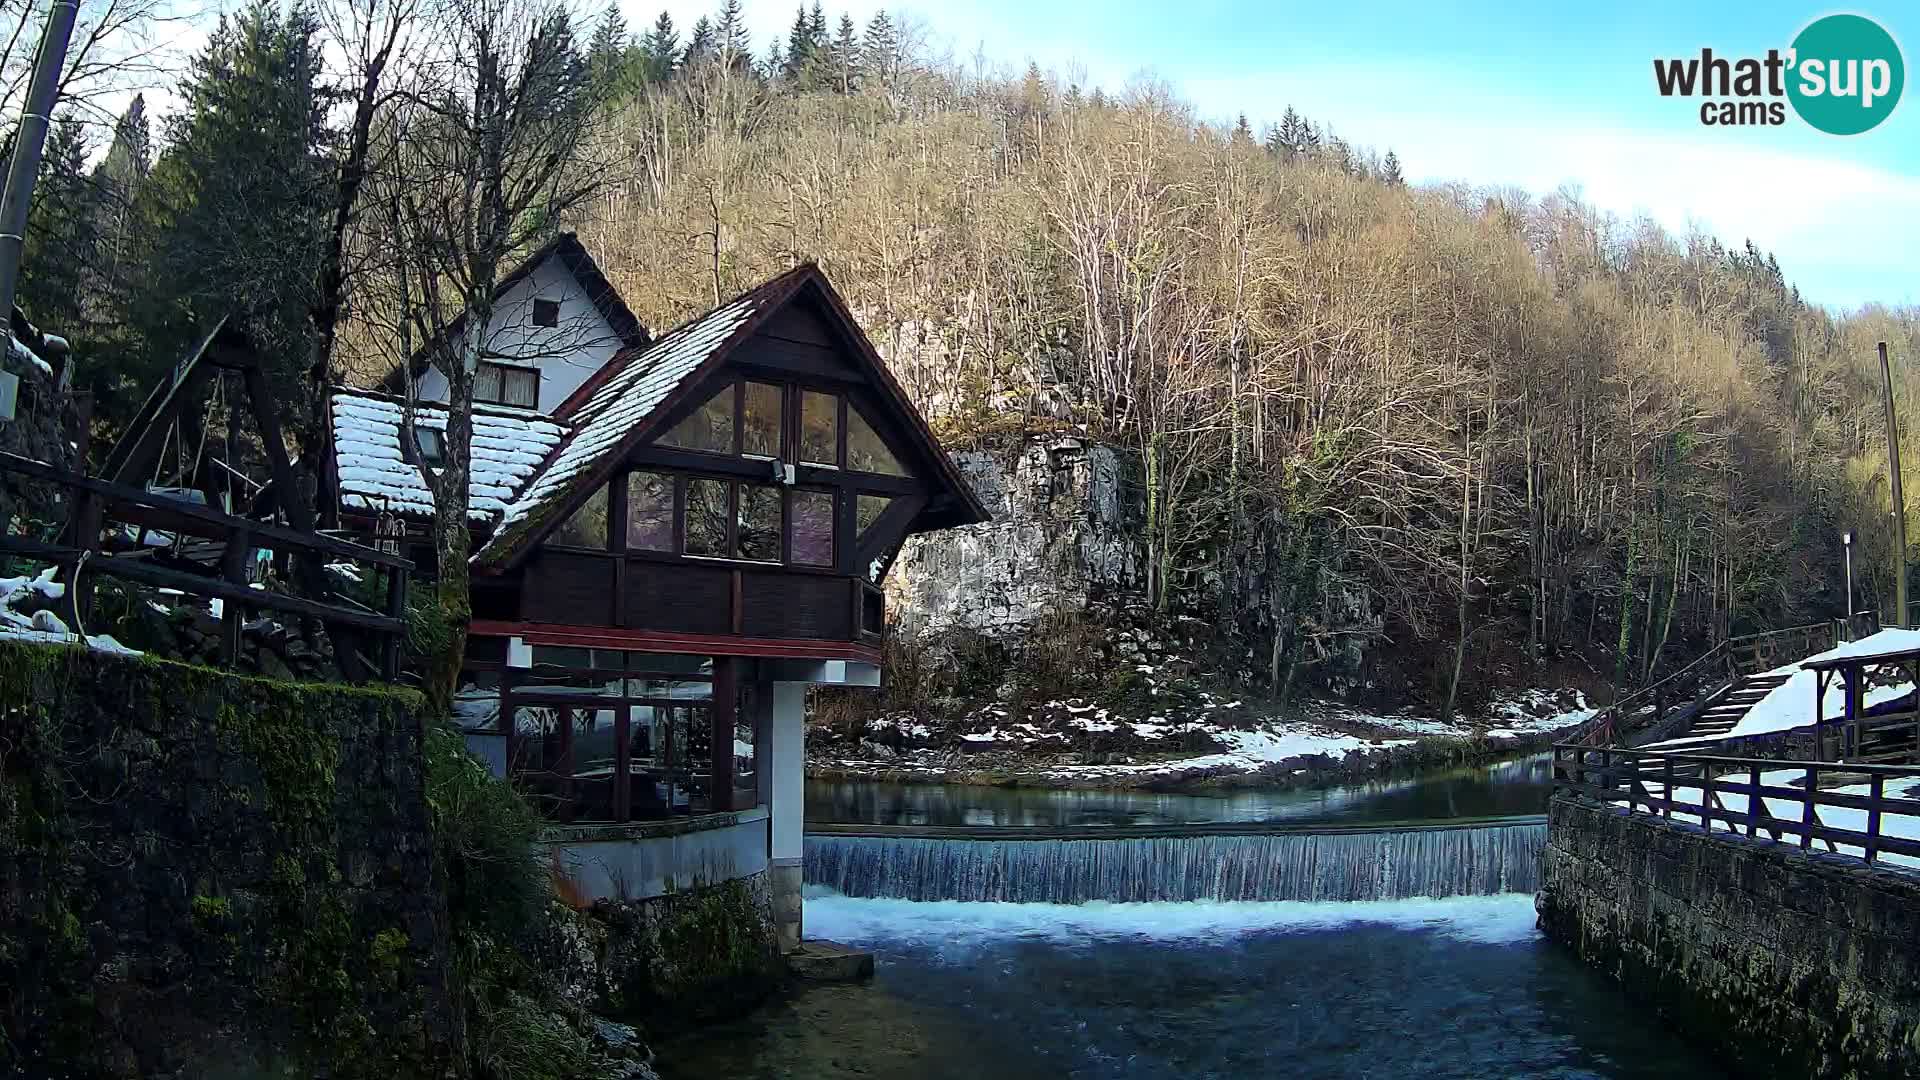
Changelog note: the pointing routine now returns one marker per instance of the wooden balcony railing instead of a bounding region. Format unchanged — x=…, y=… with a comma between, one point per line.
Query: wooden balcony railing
x=93, y=504
x=1869, y=815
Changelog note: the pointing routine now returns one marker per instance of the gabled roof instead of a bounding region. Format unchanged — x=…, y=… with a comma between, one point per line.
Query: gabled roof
x=622, y=403
x=509, y=446
x=573, y=255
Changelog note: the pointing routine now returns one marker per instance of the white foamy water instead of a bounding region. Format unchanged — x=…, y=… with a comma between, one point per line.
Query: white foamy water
x=1499, y=919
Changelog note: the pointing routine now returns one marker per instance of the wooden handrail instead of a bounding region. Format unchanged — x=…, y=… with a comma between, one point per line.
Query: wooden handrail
x=94, y=498
x=119, y=493
x=1644, y=781
x=1601, y=729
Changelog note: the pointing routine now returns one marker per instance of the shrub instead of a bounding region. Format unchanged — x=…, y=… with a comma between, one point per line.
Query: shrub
x=483, y=833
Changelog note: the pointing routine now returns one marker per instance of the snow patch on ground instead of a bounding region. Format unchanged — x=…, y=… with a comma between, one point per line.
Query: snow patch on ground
x=1075, y=740
x=43, y=627
x=1248, y=751
x=957, y=925
x=1529, y=712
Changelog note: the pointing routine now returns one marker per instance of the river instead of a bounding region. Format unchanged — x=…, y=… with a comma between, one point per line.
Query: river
x=1518, y=786
x=1323, y=952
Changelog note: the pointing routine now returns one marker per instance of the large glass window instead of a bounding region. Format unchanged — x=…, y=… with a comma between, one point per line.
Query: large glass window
x=760, y=420
x=866, y=450
x=709, y=428
x=649, y=511
x=707, y=512
x=760, y=523
x=587, y=527
x=819, y=428
x=812, y=528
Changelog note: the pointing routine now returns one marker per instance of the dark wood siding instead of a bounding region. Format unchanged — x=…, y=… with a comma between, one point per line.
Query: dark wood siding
x=796, y=605
x=800, y=322
x=686, y=598
x=779, y=354
x=564, y=587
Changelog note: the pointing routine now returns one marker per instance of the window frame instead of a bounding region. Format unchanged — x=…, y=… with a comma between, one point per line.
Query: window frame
x=506, y=370
x=545, y=306
x=792, y=424
x=437, y=457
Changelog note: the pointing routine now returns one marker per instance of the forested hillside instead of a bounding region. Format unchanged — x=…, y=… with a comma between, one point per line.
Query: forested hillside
x=1498, y=416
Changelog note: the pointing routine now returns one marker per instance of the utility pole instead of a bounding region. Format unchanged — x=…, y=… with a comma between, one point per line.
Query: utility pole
x=30, y=139
x=1899, y=504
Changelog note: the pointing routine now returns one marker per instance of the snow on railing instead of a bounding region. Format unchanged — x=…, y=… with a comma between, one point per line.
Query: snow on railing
x=1873, y=813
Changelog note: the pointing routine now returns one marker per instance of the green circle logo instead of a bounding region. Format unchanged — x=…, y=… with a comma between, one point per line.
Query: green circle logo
x=1847, y=74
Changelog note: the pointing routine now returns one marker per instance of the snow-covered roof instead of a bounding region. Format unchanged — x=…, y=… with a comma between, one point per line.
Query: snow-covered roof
x=640, y=381
x=1892, y=642
x=509, y=446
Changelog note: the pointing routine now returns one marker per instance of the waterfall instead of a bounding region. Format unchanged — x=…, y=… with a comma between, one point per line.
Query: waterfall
x=1348, y=865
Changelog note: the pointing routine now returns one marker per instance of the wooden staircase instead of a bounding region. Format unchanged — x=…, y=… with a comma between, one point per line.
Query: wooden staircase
x=1727, y=709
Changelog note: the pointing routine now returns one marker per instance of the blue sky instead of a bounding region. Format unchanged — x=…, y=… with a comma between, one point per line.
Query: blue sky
x=1526, y=94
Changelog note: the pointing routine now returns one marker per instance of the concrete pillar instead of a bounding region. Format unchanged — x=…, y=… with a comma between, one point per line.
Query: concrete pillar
x=787, y=762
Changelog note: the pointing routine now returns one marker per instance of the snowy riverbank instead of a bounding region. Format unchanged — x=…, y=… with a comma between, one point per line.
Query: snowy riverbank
x=1210, y=743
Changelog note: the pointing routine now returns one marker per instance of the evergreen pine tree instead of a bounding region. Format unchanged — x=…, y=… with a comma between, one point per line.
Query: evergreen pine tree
x=116, y=183
x=847, y=68
x=1390, y=170
x=880, y=48
x=130, y=155
x=730, y=35
x=700, y=44
x=1292, y=132
x=800, y=45
x=235, y=210
x=58, y=263
x=1272, y=142
x=660, y=50
x=608, y=64
x=1242, y=131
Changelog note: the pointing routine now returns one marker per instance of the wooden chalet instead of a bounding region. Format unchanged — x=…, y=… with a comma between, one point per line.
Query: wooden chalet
x=669, y=548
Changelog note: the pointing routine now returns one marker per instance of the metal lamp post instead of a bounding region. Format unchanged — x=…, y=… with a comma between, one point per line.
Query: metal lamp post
x=1846, y=544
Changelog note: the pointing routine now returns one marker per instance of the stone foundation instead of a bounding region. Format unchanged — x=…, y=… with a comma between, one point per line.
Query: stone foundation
x=785, y=878
x=1792, y=964
x=700, y=954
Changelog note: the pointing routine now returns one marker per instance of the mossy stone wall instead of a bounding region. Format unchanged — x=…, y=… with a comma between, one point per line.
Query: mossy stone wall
x=692, y=955
x=210, y=875
x=1789, y=963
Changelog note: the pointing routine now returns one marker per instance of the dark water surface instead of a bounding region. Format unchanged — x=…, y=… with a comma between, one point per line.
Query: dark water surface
x=1520, y=786
x=984, y=991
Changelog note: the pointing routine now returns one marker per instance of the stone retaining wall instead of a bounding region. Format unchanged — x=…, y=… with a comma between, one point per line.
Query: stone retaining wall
x=210, y=875
x=1793, y=964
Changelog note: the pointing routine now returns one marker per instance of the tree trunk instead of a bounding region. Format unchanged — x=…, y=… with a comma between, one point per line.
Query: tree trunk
x=452, y=543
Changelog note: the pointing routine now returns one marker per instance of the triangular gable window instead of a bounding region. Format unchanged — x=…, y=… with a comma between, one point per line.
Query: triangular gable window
x=709, y=428
x=866, y=451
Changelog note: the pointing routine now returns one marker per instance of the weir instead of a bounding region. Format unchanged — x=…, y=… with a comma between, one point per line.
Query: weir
x=1201, y=863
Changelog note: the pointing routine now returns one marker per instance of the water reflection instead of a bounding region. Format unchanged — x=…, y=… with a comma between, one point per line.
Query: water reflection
x=1519, y=786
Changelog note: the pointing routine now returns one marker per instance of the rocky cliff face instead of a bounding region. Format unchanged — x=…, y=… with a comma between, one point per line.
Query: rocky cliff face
x=1067, y=539
x=1065, y=534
